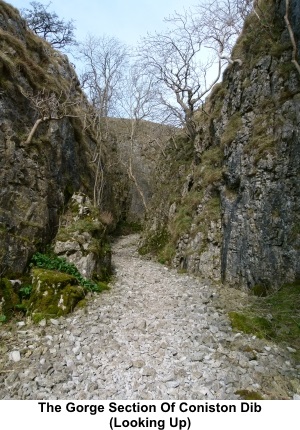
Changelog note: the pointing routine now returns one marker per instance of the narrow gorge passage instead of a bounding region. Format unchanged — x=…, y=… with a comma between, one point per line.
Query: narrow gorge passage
x=155, y=335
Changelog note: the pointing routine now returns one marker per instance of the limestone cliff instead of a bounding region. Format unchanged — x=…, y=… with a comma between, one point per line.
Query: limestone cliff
x=231, y=208
x=39, y=175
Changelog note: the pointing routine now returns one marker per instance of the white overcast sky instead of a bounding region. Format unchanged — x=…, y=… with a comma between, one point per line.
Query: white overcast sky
x=127, y=20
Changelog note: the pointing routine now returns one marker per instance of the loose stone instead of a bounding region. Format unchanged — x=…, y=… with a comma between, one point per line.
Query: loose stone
x=154, y=335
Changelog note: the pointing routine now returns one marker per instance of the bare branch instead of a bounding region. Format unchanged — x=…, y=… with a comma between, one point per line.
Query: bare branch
x=105, y=59
x=51, y=107
x=187, y=59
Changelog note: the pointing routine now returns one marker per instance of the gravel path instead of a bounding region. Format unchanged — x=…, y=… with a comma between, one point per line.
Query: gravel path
x=156, y=334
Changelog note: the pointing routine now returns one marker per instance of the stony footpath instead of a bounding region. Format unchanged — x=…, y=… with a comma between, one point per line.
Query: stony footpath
x=156, y=334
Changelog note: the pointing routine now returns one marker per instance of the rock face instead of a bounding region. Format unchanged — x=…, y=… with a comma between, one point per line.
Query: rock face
x=38, y=178
x=260, y=196
x=233, y=213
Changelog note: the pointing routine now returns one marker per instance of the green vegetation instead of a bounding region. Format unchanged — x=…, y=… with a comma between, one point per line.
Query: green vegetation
x=211, y=210
x=276, y=316
x=197, y=206
x=260, y=290
x=211, y=168
x=155, y=242
x=19, y=62
x=8, y=299
x=179, y=154
x=52, y=262
x=86, y=224
x=249, y=395
x=262, y=138
x=182, y=221
x=215, y=101
x=257, y=325
x=125, y=228
x=166, y=254
x=25, y=291
x=232, y=128
x=54, y=294
x=260, y=36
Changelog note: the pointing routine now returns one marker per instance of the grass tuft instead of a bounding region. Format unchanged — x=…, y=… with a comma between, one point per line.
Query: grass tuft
x=275, y=317
x=249, y=395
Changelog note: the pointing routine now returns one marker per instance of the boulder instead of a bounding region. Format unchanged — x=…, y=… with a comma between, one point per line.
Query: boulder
x=54, y=294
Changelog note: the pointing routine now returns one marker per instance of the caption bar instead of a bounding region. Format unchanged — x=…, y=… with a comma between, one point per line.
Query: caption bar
x=148, y=414
x=144, y=414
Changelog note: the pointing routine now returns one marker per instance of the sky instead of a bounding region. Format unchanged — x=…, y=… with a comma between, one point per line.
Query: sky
x=127, y=20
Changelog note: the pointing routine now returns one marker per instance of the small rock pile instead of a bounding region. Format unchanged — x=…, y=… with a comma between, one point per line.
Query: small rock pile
x=156, y=334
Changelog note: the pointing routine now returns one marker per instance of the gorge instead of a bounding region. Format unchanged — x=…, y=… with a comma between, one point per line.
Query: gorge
x=223, y=207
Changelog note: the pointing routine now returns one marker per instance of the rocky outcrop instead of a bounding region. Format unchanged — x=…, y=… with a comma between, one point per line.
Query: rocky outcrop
x=233, y=213
x=38, y=177
x=260, y=195
x=8, y=299
x=53, y=294
x=81, y=238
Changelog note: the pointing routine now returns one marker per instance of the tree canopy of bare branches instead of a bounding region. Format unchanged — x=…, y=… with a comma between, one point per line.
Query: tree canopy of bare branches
x=139, y=102
x=173, y=60
x=49, y=26
x=218, y=23
x=104, y=59
x=186, y=59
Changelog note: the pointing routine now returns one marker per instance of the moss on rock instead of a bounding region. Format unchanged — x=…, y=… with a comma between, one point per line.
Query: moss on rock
x=54, y=294
x=8, y=298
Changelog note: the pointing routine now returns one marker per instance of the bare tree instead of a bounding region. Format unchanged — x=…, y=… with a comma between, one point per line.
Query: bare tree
x=50, y=106
x=92, y=124
x=174, y=62
x=47, y=25
x=104, y=60
x=244, y=7
x=139, y=102
x=218, y=23
x=187, y=59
